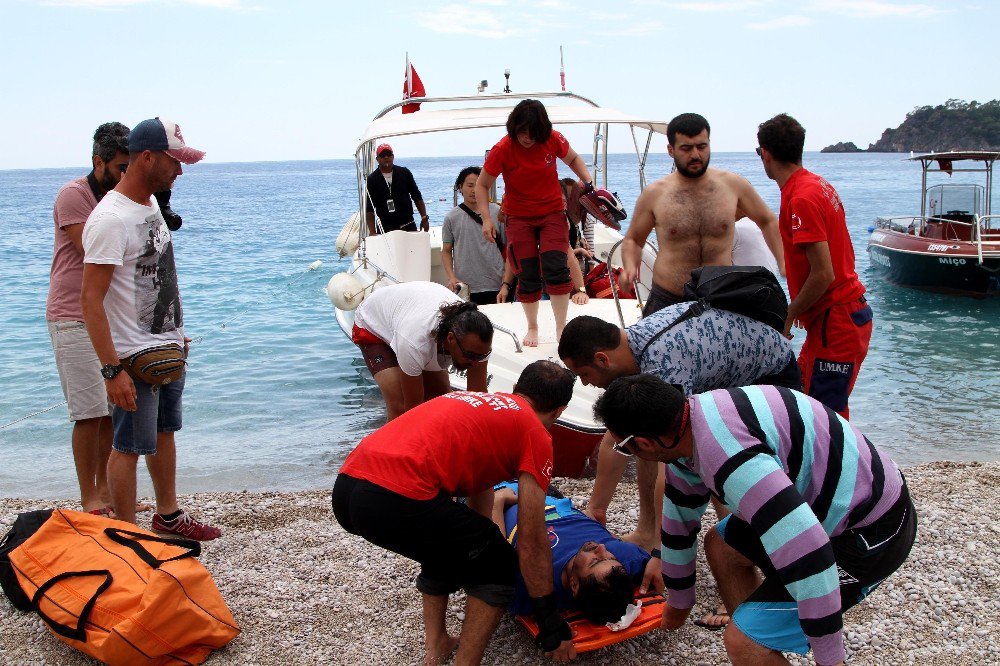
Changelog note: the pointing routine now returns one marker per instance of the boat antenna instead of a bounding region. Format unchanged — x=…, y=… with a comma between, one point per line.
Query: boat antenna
x=506, y=75
x=562, y=70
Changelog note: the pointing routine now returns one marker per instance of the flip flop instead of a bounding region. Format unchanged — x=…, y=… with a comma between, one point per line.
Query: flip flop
x=705, y=622
x=106, y=511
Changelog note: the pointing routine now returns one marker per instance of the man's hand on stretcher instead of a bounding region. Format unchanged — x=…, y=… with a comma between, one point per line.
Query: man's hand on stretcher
x=652, y=577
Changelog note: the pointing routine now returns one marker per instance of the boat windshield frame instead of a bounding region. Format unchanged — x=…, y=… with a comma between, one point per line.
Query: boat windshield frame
x=945, y=163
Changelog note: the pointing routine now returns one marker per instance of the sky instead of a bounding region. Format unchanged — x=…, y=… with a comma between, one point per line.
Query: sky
x=265, y=80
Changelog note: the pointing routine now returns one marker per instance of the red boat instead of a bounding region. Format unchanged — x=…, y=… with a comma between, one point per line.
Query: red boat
x=953, y=246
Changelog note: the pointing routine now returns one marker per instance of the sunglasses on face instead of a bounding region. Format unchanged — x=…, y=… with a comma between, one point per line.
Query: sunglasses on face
x=758, y=151
x=386, y=155
x=475, y=357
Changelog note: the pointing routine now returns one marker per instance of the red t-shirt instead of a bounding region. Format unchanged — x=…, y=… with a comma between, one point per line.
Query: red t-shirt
x=460, y=443
x=530, y=175
x=811, y=212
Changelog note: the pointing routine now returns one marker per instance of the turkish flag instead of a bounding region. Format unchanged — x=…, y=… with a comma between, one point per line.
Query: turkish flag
x=412, y=87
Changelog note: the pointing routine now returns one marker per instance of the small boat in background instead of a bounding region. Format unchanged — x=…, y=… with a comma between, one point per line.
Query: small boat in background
x=953, y=246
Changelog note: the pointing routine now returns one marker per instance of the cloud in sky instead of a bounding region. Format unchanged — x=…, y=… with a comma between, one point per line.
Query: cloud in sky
x=877, y=8
x=708, y=6
x=781, y=22
x=114, y=4
x=466, y=20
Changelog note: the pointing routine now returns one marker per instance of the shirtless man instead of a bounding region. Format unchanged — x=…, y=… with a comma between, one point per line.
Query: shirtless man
x=694, y=211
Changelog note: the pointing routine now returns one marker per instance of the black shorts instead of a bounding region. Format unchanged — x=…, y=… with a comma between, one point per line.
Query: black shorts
x=865, y=557
x=456, y=547
x=660, y=298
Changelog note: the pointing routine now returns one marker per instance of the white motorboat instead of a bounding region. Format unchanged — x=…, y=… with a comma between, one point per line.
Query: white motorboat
x=403, y=256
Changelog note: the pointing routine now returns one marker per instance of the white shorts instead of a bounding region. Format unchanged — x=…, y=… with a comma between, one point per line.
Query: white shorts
x=79, y=370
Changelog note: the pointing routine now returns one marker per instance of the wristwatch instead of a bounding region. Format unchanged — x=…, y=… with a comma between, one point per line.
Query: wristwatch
x=580, y=290
x=110, y=371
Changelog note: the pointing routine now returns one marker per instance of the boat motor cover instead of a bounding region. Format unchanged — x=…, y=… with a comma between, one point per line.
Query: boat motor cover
x=604, y=206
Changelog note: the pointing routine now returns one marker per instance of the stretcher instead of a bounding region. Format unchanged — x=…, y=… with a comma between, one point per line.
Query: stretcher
x=588, y=636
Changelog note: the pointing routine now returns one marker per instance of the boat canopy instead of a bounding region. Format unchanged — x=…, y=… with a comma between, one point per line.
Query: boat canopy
x=426, y=120
x=492, y=111
x=955, y=155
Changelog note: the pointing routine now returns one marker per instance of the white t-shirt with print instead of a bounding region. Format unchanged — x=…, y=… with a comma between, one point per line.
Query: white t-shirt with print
x=143, y=302
x=405, y=316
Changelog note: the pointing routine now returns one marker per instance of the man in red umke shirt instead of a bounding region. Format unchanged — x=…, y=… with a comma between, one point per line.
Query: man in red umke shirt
x=827, y=297
x=395, y=490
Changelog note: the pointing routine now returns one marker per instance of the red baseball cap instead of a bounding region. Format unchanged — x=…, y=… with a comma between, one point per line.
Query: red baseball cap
x=383, y=148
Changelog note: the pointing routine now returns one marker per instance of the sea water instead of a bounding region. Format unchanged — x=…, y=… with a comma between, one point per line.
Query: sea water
x=276, y=395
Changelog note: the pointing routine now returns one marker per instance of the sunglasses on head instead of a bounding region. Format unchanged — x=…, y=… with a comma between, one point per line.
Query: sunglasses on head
x=475, y=357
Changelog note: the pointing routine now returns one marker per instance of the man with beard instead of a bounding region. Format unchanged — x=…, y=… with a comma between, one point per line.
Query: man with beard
x=77, y=363
x=128, y=264
x=694, y=211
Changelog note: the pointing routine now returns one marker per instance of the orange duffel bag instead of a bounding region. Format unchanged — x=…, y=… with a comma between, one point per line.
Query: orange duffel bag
x=122, y=594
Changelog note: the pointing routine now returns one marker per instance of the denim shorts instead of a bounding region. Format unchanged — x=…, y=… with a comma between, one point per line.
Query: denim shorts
x=158, y=409
x=79, y=370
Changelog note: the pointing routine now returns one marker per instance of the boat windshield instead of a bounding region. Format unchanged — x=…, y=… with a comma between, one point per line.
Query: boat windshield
x=956, y=202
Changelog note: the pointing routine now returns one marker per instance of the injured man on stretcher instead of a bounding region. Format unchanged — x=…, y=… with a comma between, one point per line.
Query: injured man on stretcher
x=594, y=572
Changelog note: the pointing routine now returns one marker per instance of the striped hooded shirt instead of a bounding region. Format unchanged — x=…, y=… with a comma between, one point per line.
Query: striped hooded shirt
x=798, y=474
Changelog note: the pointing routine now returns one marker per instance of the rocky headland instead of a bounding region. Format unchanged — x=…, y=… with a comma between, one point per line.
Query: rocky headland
x=954, y=125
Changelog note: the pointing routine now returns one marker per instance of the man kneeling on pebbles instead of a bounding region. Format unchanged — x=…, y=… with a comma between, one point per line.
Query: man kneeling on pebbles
x=824, y=514
x=395, y=490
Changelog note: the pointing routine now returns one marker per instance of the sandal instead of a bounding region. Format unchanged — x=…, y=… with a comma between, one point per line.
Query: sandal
x=106, y=511
x=714, y=621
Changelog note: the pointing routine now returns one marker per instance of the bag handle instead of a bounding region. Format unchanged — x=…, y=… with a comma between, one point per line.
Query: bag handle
x=78, y=633
x=120, y=536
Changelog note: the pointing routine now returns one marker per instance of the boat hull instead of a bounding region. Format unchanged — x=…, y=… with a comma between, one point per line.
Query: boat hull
x=951, y=267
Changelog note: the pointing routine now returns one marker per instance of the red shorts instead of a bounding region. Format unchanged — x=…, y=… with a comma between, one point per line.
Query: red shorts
x=377, y=353
x=536, y=248
x=836, y=344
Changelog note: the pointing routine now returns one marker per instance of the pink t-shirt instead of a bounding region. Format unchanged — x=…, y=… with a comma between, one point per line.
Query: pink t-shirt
x=73, y=205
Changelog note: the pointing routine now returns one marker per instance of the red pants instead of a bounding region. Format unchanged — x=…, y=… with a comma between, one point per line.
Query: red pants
x=536, y=248
x=836, y=344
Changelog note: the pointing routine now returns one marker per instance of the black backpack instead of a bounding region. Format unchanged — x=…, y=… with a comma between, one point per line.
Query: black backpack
x=25, y=525
x=752, y=291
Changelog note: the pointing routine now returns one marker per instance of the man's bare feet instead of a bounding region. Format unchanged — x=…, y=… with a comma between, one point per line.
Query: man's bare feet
x=600, y=515
x=440, y=652
x=714, y=621
x=645, y=540
x=531, y=338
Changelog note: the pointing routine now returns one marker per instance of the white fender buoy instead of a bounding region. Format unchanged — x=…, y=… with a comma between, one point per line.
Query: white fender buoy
x=345, y=291
x=350, y=235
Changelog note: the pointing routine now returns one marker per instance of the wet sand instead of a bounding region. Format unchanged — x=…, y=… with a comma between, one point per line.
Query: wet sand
x=306, y=592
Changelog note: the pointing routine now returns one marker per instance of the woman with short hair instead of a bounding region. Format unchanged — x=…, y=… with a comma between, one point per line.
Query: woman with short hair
x=537, y=234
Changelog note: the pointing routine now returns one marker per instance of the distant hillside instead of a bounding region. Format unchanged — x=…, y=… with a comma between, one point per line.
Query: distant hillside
x=954, y=125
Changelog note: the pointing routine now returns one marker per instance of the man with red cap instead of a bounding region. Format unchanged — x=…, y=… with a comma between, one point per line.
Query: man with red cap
x=131, y=303
x=390, y=189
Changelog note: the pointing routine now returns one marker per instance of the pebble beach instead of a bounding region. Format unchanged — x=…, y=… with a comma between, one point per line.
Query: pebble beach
x=305, y=592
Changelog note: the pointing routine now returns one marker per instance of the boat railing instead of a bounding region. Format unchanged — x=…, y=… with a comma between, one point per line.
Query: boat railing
x=635, y=283
x=915, y=225
x=988, y=234
x=982, y=230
